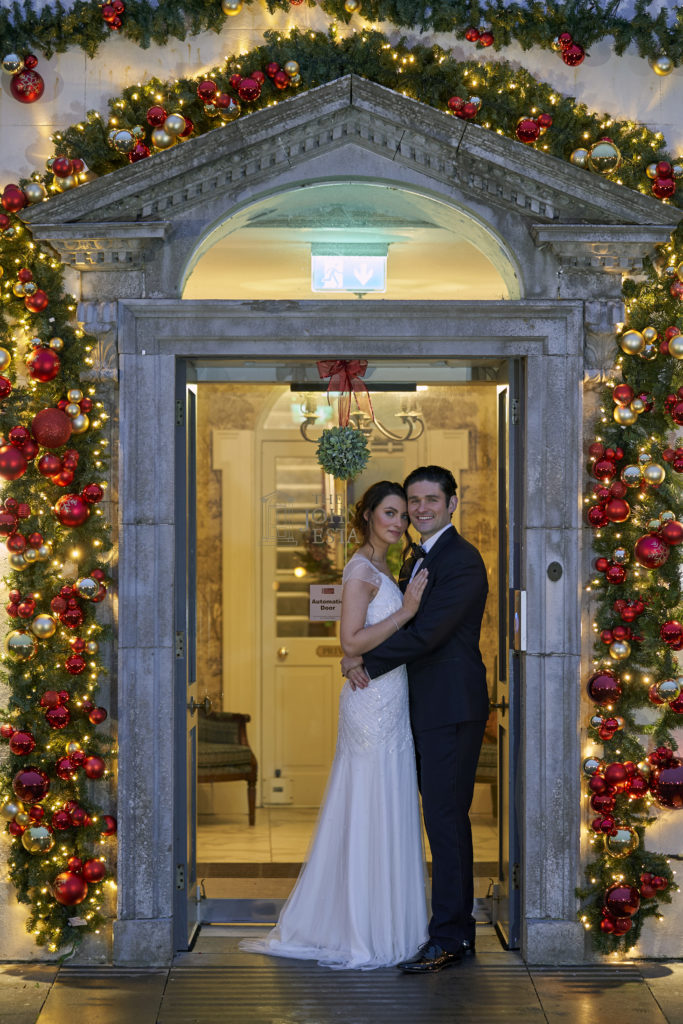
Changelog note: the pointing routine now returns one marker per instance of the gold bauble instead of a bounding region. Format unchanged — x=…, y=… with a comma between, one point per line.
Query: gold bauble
x=38, y=839
x=35, y=192
x=80, y=424
x=64, y=184
x=668, y=689
x=624, y=415
x=596, y=721
x=43, y=626
x=71, y=747
x=638, y=406
x=654, y=474
x=87, y=587
x=85, y=176
x=620, y=556
x=12, y=63
x=174, y=124
x=10, y=809
x=650, y=334
x=631, y=342
x=651, y=171
x=579, y=157
x=667, y=517
x=23, y=819
x=211, y=110
x=679, y=271
x=138, y=133
x=295, y=80
x=20, y=645
x=123, y=140
x=92, y=647
x=18, y=289
x=677, y=170
x=649, y=352
x=653, y=525
x=624, y=841
x=44, y=552
x=662, y=66
x=619, y=650
x=161, y=139
x=604, y=157
x=644, y=459
x=291, y=67
x=74, y=395
x=5, y=359
x=30, y=555
x=56, y=344
x=593, y=765
x=111, y=135
x=17, y=561
x=231, y=112
x=352, y=6
x=631, y=476
x=30, y=288
x=676, y=346
x=232, y=7
x=72, y=409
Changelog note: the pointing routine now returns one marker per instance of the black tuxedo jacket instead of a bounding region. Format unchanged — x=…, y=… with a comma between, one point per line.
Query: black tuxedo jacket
x=440, y=646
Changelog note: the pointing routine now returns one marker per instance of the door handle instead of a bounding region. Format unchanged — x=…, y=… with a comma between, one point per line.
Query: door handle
x=193, y=704
x=282, y=653
x=502, y=705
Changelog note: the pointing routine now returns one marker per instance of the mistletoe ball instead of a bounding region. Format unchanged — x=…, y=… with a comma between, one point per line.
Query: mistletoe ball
x=343, y=452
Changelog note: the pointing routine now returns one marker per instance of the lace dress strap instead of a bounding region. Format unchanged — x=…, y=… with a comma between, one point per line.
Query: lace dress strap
x=361, y=568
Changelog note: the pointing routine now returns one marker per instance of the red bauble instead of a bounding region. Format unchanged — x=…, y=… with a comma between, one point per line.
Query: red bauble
x=596, y=516
x=12, y=462
x=140, y=151
x=455, y=104
x=43, y=364
x=14, y=829
x=64, y=768
x=604, y=688
x=79, y=816
x=527, y=130
x=62, y=166
x=94, y=871
x=573, y=55
x=31, y=784
x=157, y=115
x=72, y=618
x=597, y=784
x=486, y=38
x=258, y=76
x=663, y=188
x=622, y=900
x=615, y=574
x=671, y=632
x=13, y=199
x=651, y=551
x=615, y=774
x=468, y=112
x=37, y=302
x=637, y=786
x=51, y=428
x=50, y=699
x=272, y=68
x=37, y=812
x=61, y=820
x=8, y=523
x=75, y=864
x=109, y=822
x=6, y=730
x=667, y=785
x=607, y=925
x=249, y=90
x=676, y=289
x=185, y=134
x=654, y=697
x=74, y=664
x=207, y=90
x=677, y=705
x=28, y=86
x=617, y=510
x=603, y=803
x=604, y=469
x=280, y=80
x=92, y=493
x=672, y=532
x=472, y=34
x=94, y=767
x=71, y=510
x=5, y=387
x=77, y=758
x=58, y=718
x=49, y=465
x=69, y=889
x=97, y=715
x=623, y=394
x=21, y=742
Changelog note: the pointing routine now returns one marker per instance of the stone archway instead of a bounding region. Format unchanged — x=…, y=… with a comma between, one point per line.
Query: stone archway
x=571, y=235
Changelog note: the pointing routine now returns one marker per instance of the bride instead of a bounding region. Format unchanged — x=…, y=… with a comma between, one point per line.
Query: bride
x=359, y=901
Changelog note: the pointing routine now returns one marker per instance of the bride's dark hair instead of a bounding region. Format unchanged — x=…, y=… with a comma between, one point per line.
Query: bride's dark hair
x=368, y=502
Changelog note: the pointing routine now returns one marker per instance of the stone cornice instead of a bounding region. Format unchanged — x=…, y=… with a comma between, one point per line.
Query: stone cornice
x=614, y=248
x=476, y=163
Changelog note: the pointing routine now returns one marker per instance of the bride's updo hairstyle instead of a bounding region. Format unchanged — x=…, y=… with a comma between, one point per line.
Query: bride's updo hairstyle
x=366, y=505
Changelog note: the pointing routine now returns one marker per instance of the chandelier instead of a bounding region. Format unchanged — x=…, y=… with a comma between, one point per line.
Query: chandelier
x=412, y=423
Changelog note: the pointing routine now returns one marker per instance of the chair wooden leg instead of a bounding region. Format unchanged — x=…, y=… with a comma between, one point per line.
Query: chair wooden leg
x=251, y=794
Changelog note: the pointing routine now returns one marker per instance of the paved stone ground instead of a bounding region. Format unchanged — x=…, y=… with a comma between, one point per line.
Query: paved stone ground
x=217, y=984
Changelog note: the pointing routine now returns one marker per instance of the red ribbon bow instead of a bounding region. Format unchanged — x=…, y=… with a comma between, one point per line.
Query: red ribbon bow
x=345, y=377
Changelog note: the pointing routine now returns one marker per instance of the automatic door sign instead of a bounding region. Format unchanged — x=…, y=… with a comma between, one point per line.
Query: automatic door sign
x=324, y=603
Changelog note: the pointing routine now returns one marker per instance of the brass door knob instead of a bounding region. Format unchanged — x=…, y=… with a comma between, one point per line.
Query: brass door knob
x=282, y=653
x=192, y=705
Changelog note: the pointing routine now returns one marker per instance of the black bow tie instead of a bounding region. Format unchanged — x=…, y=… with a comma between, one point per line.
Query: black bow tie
x=418, y=551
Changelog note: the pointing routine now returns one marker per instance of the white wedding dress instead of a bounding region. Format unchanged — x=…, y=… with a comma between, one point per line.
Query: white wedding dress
x=359, y=901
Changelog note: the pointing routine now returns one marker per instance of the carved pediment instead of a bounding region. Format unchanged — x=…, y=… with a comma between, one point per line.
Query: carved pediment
x=120, y=217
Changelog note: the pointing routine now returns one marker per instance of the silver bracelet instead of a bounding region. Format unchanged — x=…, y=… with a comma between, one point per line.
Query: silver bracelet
x=395, y=623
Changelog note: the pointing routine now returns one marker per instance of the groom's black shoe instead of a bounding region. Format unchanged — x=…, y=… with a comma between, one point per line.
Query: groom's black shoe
x=431, y=958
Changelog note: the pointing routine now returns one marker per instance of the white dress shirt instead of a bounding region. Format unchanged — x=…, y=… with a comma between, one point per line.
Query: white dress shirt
x=428, y=544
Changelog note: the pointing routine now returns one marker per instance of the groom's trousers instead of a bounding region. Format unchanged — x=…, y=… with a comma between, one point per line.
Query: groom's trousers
x=447, y=763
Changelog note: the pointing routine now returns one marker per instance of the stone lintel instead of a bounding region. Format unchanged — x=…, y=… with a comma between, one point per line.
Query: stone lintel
x=609, y=248
x=109, y=245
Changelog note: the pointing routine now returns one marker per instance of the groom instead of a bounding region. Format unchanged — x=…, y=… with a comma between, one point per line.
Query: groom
x=448, y=704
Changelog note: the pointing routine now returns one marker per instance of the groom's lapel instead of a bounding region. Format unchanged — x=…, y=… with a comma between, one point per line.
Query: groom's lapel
x=446, y=537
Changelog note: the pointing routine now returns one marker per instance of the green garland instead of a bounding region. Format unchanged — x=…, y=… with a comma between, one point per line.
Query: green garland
x=650, y=304
x=55, y=28
x=431, y=75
